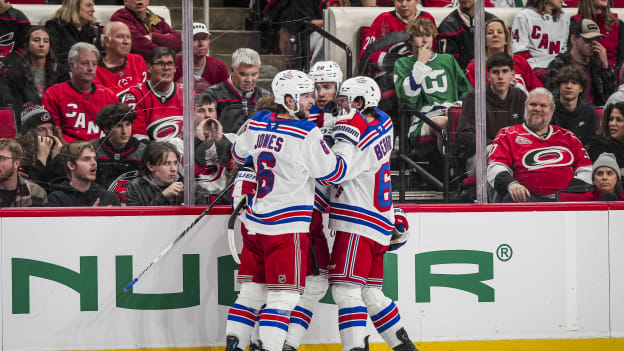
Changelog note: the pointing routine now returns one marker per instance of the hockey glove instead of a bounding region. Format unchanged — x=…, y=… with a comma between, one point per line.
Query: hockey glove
x=350, y=127
x=328, y=129
x=244, y=185
x=401, y=230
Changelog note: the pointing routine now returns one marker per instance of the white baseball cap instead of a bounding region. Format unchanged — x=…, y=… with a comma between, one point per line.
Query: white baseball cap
x=200, y=28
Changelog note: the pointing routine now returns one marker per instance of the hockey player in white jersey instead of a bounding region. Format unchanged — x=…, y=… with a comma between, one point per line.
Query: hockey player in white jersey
x=327, y=78
x=288, y=153
x=363, y=217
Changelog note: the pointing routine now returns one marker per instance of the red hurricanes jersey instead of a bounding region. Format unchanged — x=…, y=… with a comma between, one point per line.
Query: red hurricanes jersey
x=75, y=112
x=542, y=165
x=133, y=72
x=158, y=117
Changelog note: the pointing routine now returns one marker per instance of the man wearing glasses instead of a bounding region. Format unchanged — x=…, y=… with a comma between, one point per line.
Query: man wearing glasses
x=590, y=57
x=236, y=97
x=15, y=190
x=158, y=101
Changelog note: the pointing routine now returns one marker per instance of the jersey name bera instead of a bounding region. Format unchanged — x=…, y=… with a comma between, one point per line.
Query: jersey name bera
x=383, y=147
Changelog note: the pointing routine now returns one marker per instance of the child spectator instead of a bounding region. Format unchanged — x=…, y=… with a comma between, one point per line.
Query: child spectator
x=430, y=81
x=29, y=76
x=207, y=71
x=539, y=32
x=148, y=29
x=75, y=103
x=118, y=69
x=118, y=151
x=15, y=190
x=41, y=141
x=158, y=101
x=80, y=164
x=498, y=39
x=13, y=28
x=610, y=26
x=73, y=22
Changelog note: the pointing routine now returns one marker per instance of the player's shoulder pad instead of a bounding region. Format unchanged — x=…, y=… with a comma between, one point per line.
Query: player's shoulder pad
x=262, y=116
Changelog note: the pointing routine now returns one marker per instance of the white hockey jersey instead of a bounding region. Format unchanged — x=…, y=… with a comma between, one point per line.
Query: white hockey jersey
x=362, y=203
x=538, y=38
x=288, y=155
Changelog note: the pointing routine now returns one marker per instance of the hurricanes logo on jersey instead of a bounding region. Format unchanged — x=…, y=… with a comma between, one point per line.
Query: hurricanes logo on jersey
x=165, y=128
x=6, y=44
x=553, y=156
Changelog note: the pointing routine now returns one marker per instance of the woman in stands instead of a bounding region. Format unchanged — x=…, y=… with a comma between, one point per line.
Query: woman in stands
x=72, y=23
x=42, y=142
x=498, y=39
x=610, y=136
x=27, y=78
x=540, y=32
x=610, y=26
x=607, y=184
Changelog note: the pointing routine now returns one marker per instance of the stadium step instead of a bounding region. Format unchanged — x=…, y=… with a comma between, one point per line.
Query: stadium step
x=223, y=18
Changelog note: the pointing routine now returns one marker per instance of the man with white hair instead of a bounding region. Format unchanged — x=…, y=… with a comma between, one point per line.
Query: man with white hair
x=533, y=160
x=236, y=97
x=118, y=69
x=75, y=103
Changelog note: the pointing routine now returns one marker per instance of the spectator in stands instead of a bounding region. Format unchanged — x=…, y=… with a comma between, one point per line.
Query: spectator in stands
x=158, y=101
x=15, y=190
x=204, y=108
x=611, y=28
x=118, y=69
x=618, y=96
x=118, y=152
x=533, y=160
x=607, y=185
x=382, y=61
x=456, y=33
x=73, y=22
x=504, y=103
x=75, y=103
x=29, y=76
x=147, y=28
x=571, y=112
x=591, y=58
x=498, y=39
x=214, y=166
x=540, y=32
x=159, y=183
x=41, y=141
x=429, y=81
x=80, y=164
x=610, y=136
x=207, y=70
x=13, y=28
x=236, y=97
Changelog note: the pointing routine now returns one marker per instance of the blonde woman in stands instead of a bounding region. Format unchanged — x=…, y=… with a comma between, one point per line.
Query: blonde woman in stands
x=498, y=39
x=610, y=26
x=540, y=32
x=73, y=22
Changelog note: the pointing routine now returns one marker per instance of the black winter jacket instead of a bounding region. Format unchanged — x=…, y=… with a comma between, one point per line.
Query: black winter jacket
x=63, y=35
x=232, y=108
x=581, y=121
x=112, y=164
x=67, y=196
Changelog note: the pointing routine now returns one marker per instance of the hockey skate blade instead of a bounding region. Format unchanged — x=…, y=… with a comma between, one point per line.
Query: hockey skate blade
x=232, y=246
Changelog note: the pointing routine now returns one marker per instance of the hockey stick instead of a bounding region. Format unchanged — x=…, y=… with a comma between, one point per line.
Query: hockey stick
x=180, y=236
x=237, y=211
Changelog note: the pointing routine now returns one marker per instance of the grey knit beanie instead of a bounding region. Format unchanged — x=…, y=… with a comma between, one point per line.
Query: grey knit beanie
x=607, y=159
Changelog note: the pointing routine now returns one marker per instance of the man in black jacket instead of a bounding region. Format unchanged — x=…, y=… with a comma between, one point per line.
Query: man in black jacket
x=236, y=97
x=571, y=111
x=81, y=190
x=118, y=151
